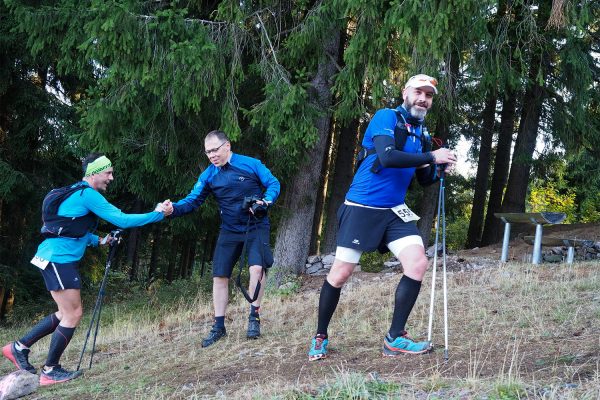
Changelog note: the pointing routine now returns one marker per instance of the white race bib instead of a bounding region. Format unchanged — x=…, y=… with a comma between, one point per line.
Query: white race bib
x=39, y=262
x=405, y=213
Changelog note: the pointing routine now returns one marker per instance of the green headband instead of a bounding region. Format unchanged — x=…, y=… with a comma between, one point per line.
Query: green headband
x=97, y=166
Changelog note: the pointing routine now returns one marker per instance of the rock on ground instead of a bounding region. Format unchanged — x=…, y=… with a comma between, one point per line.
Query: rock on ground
x=18, y=384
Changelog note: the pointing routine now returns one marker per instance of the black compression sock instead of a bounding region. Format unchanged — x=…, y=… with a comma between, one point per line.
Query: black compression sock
x=328, y=301
x=43, y=328
x=60, y=339
x=406, y=296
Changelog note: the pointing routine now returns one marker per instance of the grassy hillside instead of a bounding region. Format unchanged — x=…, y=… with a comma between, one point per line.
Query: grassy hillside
x=516, y=331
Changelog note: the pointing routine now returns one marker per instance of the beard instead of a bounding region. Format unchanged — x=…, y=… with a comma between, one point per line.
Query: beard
x=416, y=113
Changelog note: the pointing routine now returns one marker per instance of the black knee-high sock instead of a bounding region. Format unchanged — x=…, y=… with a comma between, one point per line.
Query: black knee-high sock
x=328, y=301
x=406, y=296
x=60, y=339
x=45, y=327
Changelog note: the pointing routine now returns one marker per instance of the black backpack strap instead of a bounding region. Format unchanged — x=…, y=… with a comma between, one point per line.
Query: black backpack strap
x=401, y=133
x=55, y=225
x=242, y=262
x=56, y=197
x=363, y=153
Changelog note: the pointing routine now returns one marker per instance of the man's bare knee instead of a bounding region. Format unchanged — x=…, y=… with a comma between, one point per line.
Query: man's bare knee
x=416, y=268
x=340, y=273
x=256, y=271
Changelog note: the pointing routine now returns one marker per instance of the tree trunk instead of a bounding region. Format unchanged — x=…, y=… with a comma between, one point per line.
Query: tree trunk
x=492, y=228
x=156, y=235
x=293, y=235
x=340, y=181
x=191, y=256
x=483, y=171
x=4, y=292
x=133, y=243
x=205, y=253
x=518, y=179
x=321, y=195
x=172, y=258
x=430, y=194
x=184, y=259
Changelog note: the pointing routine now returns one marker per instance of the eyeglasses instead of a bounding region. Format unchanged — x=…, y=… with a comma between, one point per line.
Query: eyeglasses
x=211, y=151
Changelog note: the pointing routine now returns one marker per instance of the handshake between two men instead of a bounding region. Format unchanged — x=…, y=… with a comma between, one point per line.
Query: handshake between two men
x=166, y=207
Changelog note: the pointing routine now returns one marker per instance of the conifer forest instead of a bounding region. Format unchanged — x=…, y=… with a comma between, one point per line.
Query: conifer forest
x=293, y=83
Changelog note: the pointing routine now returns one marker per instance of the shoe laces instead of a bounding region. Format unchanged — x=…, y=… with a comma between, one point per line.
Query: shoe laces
x=54, y=368
x=25, y=352
x=215, y=331
x=319, y=339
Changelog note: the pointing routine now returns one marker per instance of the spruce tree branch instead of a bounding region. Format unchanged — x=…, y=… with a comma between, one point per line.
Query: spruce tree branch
x=334, y=61
x=264, y=29
x=201, y=21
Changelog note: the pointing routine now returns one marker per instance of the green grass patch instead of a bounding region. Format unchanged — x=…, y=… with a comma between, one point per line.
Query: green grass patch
x=350, y=386
x=508, y=391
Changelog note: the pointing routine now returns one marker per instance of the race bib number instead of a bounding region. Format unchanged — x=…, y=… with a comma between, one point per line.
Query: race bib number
x=405, y=213
x=39, y=262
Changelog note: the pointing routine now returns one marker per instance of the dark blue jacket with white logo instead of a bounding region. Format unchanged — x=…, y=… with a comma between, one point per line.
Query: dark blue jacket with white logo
x=242, y=177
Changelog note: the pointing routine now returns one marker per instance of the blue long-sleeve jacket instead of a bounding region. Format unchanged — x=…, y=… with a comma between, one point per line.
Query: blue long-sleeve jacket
x=388, y=187
x=65, y=249
x=242, y=177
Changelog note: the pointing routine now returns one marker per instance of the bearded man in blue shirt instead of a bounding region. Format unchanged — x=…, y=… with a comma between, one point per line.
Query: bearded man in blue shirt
x=233, y=178
x=374, y=216
x=58, y=258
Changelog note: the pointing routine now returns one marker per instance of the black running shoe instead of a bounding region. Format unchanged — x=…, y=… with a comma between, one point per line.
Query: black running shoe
x=19, y=358
x=214, y=335
x=253, y=327
x=57, y=375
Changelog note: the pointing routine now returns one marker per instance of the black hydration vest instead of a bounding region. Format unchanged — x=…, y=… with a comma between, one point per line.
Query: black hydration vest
x=55, y=225
x=401, y=134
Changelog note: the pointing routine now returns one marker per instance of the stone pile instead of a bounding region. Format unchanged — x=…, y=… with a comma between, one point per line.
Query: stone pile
x=584, y=253
x=321, y=264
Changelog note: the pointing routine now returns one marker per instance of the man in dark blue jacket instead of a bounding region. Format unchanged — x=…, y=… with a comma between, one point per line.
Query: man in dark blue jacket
x=374, y=214
x=231, y=178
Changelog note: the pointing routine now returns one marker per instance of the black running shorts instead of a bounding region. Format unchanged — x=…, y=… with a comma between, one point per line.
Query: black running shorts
x=229, y=248
x=369, y=229
x=59, y=276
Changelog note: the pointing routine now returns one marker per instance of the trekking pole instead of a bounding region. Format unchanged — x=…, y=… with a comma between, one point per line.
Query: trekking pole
x=435, y=249
x=116, y=235
x=443, y=197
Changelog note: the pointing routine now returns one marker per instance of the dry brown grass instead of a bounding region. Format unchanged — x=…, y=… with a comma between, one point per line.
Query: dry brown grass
x=516, y=331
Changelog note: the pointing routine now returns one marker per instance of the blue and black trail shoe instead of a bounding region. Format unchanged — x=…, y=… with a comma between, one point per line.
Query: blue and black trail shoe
x=57, y=374
x=20, y=358
x=215, y=334
x=318, y=348
x=404, y=345
x=253, y=327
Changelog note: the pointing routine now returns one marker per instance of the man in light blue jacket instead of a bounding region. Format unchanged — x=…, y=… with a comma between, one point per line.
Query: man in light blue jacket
x=68, y=233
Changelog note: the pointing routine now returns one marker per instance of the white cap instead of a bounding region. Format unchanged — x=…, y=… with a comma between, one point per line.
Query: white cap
x=422, y=80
